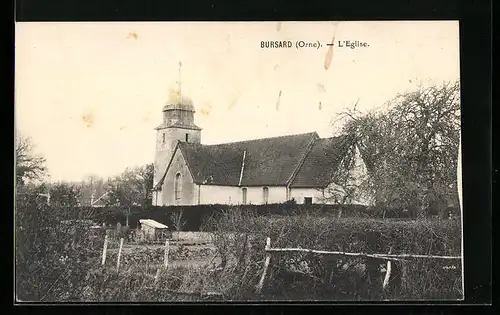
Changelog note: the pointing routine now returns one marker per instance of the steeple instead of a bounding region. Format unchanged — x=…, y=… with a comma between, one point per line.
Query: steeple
x=179, y=80
x=179, y=110
x=177, y=126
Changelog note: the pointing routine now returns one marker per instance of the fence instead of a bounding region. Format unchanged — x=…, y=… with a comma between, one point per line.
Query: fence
x=388, y=258
x=392, y=261
x=162, y=267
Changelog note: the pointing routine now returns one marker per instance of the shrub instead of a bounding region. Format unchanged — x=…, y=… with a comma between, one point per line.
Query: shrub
x=53, y=252
x=192, y=217
x=307, y=276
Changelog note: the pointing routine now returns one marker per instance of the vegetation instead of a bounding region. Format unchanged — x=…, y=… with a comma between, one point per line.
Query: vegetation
x=132, y=187
x=53, y=251
x=314, y=277
x=177, y=220
x=410, y=149
x=29, y=165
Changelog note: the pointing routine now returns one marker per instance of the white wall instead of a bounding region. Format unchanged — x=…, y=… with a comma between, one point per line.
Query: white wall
x=255, y=195
x=212, y=194
x=300, y=193
x=188, y=192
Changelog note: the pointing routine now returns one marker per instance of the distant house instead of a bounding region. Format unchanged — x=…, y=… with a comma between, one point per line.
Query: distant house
x=101, y=201
x=270, y=170
x=91, y=201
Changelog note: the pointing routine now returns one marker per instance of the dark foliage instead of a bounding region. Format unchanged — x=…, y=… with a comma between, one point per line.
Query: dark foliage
x=313, y=277
x=195, y=215
x=54, y=251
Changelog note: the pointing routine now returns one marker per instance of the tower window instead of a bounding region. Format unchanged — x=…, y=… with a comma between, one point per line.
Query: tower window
x=177, y=187
x=163, y=137
x=187, y=137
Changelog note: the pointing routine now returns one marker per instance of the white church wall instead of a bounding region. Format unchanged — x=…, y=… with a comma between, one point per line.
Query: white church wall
x=156, y=198
x=212, y=194
x=300, y=193
x=255, y=195
x=187, y=191
x=318, y=197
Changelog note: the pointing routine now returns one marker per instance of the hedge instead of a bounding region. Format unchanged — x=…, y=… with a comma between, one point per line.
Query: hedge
x=324, y=277
x=196, y=214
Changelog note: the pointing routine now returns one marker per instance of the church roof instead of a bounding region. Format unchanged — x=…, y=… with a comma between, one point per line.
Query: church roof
x=321, y=162
x=302, y=160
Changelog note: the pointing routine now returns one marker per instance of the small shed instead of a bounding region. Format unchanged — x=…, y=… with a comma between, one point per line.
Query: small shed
x=153, y=230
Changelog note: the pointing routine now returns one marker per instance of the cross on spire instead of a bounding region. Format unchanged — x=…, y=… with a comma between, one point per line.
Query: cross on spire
x=179, y=82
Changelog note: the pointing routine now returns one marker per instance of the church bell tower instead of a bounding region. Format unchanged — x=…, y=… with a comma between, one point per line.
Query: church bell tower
x=177, y=125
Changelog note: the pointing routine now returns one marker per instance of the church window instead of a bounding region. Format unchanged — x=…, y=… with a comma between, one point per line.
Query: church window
x=177, y=187
x=265, y=194
x=244, y=195
x=187, y=137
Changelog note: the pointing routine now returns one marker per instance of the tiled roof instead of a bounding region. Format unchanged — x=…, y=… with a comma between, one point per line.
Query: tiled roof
x=321, y=162
x=304, y=159
x=269, y=161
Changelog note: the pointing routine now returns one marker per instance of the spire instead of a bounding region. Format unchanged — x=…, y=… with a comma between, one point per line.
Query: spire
x=179, y=81
x=176, y=98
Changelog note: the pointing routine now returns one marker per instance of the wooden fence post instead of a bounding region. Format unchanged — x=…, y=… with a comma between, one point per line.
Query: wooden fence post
x=165, y=262
x=157, y=276
x=266, y=265
x=105, y=248
x=119, y=255
x=388, y=273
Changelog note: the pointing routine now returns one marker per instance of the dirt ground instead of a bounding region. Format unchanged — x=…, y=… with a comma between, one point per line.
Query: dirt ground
x=183, y=253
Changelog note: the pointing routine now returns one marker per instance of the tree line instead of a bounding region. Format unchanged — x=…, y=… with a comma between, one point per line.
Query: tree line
x=130, y=188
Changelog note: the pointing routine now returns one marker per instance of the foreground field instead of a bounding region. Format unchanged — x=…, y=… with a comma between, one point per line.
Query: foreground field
x=63, y=262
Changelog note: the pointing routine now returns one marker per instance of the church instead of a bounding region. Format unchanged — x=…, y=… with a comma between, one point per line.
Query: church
x=270, y=170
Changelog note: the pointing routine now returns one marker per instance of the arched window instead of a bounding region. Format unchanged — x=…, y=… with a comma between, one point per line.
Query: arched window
x=177, y=187
x=244, y=195
x=265, y=194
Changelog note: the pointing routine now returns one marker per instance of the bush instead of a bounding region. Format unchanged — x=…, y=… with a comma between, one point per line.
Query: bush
x=58, y=255
x=307, y=276
x=54, y=252
x=195, y=215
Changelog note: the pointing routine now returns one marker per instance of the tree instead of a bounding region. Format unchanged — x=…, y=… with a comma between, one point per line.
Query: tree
x=144, y=180
x=132, y=188
x=411, y=149
x=29, y=166
x=54, y=253
x=177, y=220
x=64, y=195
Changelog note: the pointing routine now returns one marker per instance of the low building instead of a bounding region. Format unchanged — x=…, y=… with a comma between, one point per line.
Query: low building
x=152, y=230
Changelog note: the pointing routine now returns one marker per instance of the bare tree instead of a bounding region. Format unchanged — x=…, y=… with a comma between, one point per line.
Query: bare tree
x=411, y=148
x=29, y=166
x=177, y=220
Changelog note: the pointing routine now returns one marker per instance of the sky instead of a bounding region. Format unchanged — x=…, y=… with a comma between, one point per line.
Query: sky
x=90, y=94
